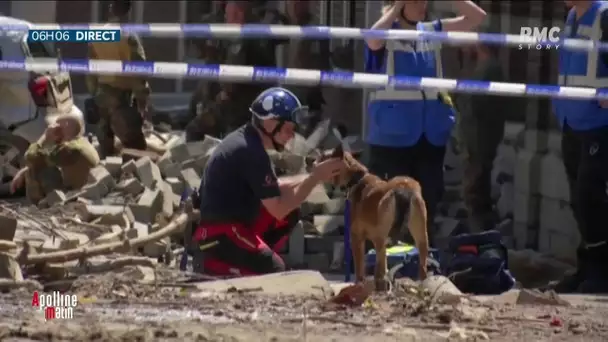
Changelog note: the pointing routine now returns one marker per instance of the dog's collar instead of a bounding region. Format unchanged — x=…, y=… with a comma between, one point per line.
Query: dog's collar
x=355, y=179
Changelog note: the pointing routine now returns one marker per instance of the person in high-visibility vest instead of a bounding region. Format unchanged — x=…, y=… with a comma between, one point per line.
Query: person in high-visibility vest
x=585, y=145
x=408, y=129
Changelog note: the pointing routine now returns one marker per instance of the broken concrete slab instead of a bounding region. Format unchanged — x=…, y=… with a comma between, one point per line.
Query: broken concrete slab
x=168, y=203
x=201, y=148
x=128, y=168
x=442, y=289
x=91, y=212
x=191, y=178
x=9, y=268
x=149, y=205
x=131, y=186
x=297, y=283
x=326, y=224
x=55, y=197
x=524, y=297
x=177, y=186
x=100, y=175
x=113, y=165
x=147, y=172
x=9, y=227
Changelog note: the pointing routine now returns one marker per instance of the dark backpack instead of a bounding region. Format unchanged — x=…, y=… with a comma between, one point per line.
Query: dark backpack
x=479, y=263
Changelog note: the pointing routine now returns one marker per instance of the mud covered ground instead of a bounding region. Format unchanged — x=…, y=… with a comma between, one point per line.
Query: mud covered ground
x=115, y=308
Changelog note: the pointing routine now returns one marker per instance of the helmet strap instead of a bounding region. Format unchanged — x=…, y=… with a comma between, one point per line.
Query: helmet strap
x=258, y=123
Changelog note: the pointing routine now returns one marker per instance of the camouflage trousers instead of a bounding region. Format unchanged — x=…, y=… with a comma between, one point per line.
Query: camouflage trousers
x=118, y=118
x=62, y=167
x=478, y=139
x=207, y=120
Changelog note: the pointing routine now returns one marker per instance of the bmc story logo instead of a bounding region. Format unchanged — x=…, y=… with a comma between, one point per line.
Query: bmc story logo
x=544, y=38
x=55, y=305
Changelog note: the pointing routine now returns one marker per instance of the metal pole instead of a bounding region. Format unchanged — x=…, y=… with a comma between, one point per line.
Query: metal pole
x=348, y=255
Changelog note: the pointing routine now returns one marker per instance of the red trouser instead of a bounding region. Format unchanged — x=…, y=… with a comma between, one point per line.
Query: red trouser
x=236, y=249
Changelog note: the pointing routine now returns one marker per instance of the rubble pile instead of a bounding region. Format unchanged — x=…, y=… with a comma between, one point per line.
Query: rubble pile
x=132, y=205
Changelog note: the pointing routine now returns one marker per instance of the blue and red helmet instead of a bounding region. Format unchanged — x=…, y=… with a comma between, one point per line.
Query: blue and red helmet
x=279, y=104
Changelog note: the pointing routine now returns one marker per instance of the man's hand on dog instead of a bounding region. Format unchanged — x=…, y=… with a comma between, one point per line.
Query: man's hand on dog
x=325, y=170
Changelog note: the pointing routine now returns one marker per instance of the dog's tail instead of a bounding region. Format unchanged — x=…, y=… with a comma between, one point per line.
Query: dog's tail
x=409, y=206
x=411, y=213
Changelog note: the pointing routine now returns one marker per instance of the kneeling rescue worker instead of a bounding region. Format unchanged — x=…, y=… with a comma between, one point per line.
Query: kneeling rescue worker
x=247, y=213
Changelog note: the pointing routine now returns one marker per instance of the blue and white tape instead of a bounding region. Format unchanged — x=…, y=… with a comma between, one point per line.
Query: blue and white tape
x=343, y=79
x=317, y=32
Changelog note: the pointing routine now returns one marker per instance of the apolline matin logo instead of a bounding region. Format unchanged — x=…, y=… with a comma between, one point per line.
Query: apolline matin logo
x=55, y=305
x=546, y=38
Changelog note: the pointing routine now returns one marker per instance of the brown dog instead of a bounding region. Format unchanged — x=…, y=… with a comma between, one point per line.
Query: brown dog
x=379, y=210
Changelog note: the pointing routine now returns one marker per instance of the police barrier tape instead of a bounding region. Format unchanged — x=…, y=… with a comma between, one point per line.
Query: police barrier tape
x=318, y=32
x=343, y=79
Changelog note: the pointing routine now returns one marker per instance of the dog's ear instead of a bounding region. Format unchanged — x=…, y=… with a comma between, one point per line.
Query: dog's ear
x=338, y=152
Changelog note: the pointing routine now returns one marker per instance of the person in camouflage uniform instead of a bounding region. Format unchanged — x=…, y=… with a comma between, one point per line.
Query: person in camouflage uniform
x=234, y=99
x=204, y=112
x=60, y=160
x=121, y=101
x=480, y=130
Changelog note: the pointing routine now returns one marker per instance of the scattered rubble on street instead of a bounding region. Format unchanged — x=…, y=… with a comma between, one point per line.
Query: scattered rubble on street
x=117, y=242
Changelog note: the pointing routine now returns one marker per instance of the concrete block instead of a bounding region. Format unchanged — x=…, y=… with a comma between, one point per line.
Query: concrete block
x=554, y=183
x=95, y=191
x=123, y=219
x=168, y=196
x=177, y=186
x=190, y=164
x=554, y=143
x=337, y=260
x=512, y=131
x=128, y=168
x=141, y=229
x=157, y=248
x=148, y=206
x=175, y=155
x=320, y=244
x=55, y=197
x=9, y=268
x=200, y=148
x=9, y=227
x=505, y=202
x=557, y=216
x=191, y=178
x=506, y=158
x=131, y=186
x=526, y=208
x=294, y=283
x=326, y=224
x=173, y=170
x=318, y=262
x=113, y=165
x=296, y=245
x=536, y=141
x=442, y=290
x=147, y=172
x=90, y=212
x=527, y=172
x=99, y=175
x=334, y=206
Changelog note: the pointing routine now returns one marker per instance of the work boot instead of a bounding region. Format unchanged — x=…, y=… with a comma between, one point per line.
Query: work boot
x=596, y=273
x=570, y=283
x=595, y=282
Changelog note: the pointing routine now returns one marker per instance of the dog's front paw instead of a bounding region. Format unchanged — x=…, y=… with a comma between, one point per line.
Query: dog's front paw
x=382, y=285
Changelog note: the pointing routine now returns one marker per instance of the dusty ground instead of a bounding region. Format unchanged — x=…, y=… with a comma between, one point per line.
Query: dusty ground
x=115, y=308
